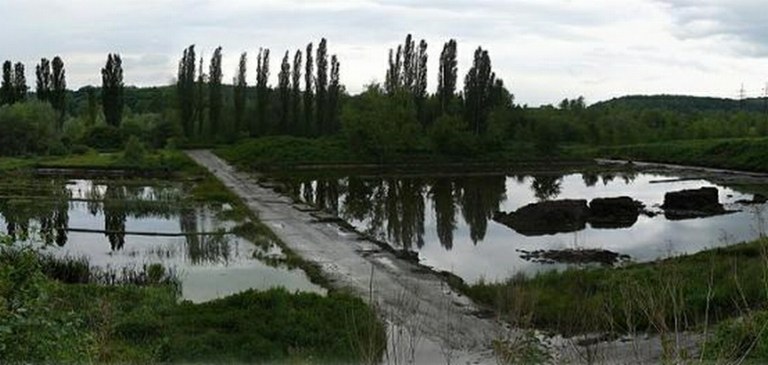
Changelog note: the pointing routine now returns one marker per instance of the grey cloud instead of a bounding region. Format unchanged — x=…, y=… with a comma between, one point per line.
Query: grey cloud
x=740, y=24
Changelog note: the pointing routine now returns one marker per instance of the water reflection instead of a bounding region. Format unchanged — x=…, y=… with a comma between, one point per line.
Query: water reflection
x=448, y=219
x=394, y=209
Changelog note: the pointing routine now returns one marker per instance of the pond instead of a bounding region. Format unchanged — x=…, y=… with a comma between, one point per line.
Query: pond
x=129, y=224
x=448, y=220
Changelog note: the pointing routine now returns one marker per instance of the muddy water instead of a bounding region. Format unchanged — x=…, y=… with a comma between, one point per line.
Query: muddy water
x=130, y=224
x=448, y=220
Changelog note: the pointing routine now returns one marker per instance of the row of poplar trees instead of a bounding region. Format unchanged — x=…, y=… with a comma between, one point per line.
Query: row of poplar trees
x=312, y=111
x=483, y=91
x=51, y=87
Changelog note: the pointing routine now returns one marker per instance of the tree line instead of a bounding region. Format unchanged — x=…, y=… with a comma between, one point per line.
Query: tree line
x=469, y=112
x=260, y=110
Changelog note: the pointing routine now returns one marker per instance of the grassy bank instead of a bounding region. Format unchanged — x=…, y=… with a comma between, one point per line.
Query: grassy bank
x=63, y=315
x=664, y=297
x=277, y=152
x=747, y=154
x=157, y=162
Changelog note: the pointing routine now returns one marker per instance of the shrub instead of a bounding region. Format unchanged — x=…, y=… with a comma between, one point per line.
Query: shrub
x=27, y=128
x=104, y=137
x=134, y=153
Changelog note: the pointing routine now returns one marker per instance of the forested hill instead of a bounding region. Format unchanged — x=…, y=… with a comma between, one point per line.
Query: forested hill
x=682, y=103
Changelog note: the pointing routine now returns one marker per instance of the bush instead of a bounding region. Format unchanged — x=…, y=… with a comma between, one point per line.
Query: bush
x=104, y=137
x=27, y=128
x=449, y=136
x=134, y=153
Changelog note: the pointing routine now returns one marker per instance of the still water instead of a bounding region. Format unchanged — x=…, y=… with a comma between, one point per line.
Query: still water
x=128, y=224
x=448, y=220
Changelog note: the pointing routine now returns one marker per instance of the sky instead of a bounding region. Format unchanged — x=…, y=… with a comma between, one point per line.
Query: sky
x=544, y=50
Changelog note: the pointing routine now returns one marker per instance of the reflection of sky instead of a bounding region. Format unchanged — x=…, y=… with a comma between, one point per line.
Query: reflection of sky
x=209, y=268
x=496, y=256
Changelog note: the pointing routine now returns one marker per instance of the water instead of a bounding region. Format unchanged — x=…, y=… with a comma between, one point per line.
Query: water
x=448, y=220
x=116, y=224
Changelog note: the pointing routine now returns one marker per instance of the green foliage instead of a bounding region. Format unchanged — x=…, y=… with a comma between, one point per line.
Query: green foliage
x=104, y=137
x=449, y=137
x=27, y=128
x=381, y=125
x=741, y=338
x=134, y=153
x=30, y=329
x=269, y=326
x=283, y=150
x=740, y=154
x=112, y=90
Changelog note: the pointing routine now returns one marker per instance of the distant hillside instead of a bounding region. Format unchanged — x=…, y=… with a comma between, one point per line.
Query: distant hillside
x=682, y=103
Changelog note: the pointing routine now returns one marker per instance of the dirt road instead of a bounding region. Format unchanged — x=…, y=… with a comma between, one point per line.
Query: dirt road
x=424, y=309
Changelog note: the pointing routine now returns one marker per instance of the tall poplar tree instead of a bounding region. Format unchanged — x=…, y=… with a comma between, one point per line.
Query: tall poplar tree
x=112, y=90
x=200, y=104
x=394, y=80
x=262, y=89
x=321, y=101
x=409, y=63
x=6, y=87
x=478, y=85
x=241, y=86
x=19, y=82
x=308, y=91
x=284, y=91
x=334, y=95
x=185, y=90
x=447, y=75
x=58, y=91
x=43, y=84
x=215, y=96
x=296, y=94
x=420, y=82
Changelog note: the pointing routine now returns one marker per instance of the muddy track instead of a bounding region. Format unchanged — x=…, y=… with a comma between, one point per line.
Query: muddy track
x=405, y=293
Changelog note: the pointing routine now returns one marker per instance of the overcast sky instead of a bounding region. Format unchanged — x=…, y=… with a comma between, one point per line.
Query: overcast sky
x=545, y=50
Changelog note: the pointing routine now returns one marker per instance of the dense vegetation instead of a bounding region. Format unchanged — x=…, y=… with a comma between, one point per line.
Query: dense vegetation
x=52, y=316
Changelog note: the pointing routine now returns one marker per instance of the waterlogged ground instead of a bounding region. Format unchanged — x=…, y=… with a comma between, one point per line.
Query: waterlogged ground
x=128, y=224
x=448, y=219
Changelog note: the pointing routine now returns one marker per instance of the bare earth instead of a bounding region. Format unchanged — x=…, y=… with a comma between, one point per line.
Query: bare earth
x=428, y=321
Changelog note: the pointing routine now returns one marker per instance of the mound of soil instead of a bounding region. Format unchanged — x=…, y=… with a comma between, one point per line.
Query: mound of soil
x=548, y=217
x=693, y=203
x=574, y=256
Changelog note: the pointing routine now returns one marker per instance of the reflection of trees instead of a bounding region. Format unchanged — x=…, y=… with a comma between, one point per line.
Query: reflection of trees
x=607, y=177
x=114, y=216
x=445, y=211
x=590, y=179
x=480, y=198
x=393, y=209
x=546, y=187
x=202, y=249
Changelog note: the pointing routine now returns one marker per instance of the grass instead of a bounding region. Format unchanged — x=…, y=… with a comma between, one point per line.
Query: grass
x=281, y=152
x=43, y=299
x=677, y=293
x=740, y=154
x=160, y=162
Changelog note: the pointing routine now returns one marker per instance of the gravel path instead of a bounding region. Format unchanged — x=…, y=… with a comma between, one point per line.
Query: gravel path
x=426, y=312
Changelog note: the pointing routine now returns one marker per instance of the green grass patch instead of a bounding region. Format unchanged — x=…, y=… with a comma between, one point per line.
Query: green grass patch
x=280, y=152
x=747, y=154
x=673, y=294
x=287, y=151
